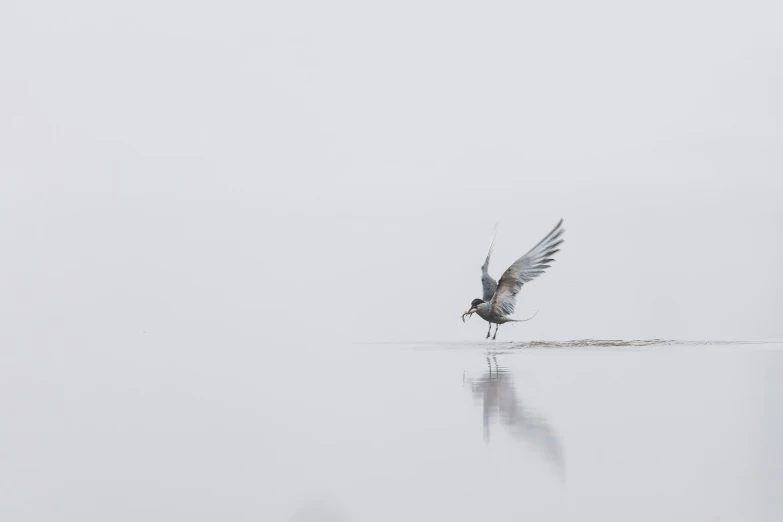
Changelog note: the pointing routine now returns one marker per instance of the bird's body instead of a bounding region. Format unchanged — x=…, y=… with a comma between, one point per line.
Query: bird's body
x=499, y=297
x=484, y=310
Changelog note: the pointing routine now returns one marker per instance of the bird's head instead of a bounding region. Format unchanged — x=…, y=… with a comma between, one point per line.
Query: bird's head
x=473, y=308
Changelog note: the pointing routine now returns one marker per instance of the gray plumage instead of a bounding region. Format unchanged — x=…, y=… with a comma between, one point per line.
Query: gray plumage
x=488, y=284
x=499, y=297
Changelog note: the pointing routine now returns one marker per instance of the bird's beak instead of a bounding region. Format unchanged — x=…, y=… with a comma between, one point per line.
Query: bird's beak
x=468, y=313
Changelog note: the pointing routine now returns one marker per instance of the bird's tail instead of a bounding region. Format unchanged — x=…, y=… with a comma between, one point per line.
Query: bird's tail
x=523, y=320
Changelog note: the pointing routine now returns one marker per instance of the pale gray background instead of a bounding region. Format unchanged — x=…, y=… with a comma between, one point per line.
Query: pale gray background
x=198, y=187
x=236, y=168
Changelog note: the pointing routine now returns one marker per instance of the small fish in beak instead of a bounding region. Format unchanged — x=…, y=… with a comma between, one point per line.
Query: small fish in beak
x=468, y=313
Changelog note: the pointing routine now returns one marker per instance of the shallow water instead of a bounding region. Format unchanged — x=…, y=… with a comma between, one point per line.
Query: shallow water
x=584, y=430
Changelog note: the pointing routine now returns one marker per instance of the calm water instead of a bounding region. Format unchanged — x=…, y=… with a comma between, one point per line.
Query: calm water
x=395, y=432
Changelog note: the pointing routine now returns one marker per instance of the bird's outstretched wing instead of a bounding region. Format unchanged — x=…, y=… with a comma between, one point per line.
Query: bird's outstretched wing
x=524, y=270
x=487, y=283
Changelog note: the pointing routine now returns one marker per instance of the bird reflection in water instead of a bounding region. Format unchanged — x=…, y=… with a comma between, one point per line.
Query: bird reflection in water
x=497, y=392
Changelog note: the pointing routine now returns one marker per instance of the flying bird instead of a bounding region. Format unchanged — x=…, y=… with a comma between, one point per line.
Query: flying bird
x=500, y=297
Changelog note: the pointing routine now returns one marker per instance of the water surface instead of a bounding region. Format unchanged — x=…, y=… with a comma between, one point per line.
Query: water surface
x=584, y=430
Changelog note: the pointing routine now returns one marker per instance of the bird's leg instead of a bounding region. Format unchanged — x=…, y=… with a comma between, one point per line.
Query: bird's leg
x=496, y=332
x=489, y=330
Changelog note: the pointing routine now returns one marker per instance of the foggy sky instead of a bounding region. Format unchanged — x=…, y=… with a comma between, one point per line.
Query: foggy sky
x=244, y=171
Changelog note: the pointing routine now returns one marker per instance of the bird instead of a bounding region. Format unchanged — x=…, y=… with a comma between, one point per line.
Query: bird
x=499, y=297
